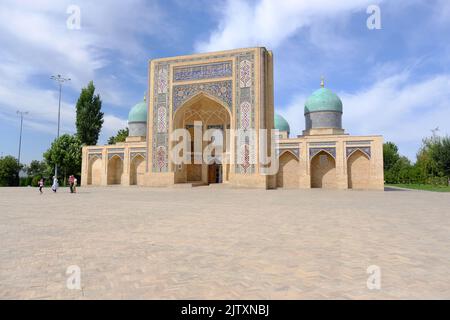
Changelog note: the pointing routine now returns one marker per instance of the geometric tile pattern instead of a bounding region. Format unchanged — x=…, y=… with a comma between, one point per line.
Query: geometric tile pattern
x=115, y=154
x=222, y=90
x=135, y=154
x=294, y=151
x=245, y=113
x=245, y=74
x=94, y=155
x=365, y=150
x=160, y=143
x=162, y=119
x=358, y=143
x=203, y=71
x=314, y=151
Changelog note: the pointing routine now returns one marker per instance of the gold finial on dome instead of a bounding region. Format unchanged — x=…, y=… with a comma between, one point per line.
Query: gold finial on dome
x=322, y=82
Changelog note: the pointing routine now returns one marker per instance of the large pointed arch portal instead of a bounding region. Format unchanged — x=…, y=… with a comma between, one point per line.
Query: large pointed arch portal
x=211, y=113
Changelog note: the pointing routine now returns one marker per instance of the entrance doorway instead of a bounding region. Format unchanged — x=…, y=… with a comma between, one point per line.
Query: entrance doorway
x=215, y=173
x=198, y=115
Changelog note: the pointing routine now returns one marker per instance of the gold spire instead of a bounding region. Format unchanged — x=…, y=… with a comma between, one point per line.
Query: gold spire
x=322, y=82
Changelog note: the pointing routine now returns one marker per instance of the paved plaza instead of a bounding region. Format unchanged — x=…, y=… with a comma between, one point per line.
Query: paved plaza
x=212, y=243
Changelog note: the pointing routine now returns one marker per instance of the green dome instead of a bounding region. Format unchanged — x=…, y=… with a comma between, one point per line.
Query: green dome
x=138, y=113
x=323, y=100
x=281, y=124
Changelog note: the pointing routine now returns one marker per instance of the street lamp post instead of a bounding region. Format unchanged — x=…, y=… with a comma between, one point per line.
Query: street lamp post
x=21, y=113
x=58, y=78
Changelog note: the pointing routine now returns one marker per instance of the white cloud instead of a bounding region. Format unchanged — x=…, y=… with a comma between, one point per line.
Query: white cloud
x=401, y=108
x=110, y=127
x=36, y=43
x=271, y=22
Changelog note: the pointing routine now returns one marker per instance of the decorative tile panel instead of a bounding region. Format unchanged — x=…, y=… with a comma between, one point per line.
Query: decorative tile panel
x=221, y=90
x=314, y=151
x=365, y=150
x=203, y=71
x=160, y=141
x=245, y=74
x=163, y=77
x=317, y=144
x=295, y=151
x=135, y=154
x=161, y=158
x=245, y=113
x=116, y=154
x=358, y=143
x=94, y=155
x=162, y=119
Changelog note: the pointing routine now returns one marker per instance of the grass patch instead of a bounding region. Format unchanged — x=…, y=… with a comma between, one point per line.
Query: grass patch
x=426, y=187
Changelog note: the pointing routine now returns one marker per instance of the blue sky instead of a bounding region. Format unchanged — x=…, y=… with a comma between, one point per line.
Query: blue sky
x=394, y=81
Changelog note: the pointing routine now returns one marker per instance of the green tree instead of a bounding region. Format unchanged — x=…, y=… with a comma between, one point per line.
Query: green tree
x=426, y=157
x=120, y=136
x=37, y=167
x=9, y=171
x=390, y=155
x=440, y=153
x=89, y=118
x=65, y=152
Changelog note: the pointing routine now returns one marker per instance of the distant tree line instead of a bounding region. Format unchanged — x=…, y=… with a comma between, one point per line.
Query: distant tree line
x=432, y=165
x=64, y=151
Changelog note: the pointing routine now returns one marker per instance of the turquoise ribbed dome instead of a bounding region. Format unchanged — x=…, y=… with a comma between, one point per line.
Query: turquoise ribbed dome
x=323, y=100
x=138, y=113
x=281, y=124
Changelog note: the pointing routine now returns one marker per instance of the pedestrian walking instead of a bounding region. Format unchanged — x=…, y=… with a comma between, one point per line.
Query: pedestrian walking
x=55, y=184
x=41, y=185
x=75, y=181
x=71, y=181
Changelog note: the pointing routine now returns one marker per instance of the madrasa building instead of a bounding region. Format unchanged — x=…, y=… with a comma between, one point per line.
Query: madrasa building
x=233, y=91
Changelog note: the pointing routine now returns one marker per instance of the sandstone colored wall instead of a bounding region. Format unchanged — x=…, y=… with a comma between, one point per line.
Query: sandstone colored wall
x=137, y=171
x=288, y=173
x=358, y=168
x=323, y=171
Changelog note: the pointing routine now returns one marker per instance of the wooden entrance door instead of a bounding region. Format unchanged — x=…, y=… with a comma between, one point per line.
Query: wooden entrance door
x=215, y=173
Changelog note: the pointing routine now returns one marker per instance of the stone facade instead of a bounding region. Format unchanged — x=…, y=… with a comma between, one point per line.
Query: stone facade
x=231, y=90
x=114, y=164
x=238, y=83
x=333, y=161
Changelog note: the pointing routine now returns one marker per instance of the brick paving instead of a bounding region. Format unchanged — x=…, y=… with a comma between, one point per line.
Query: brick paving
x=221, y=243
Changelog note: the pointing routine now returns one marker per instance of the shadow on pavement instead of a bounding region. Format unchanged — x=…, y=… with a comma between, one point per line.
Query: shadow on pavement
x=395, y=189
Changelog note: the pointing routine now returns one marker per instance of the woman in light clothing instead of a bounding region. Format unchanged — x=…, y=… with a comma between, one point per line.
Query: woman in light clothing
x=55, y=184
